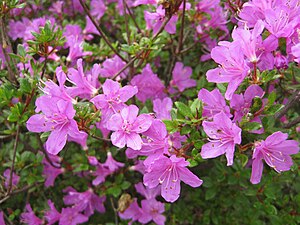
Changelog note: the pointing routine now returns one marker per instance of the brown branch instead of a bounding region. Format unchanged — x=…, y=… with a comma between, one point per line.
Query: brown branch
x=14, y=159
x=292, y=123
x=100, y=30
x=293, y=100
x=133, y=18
x=181, y=28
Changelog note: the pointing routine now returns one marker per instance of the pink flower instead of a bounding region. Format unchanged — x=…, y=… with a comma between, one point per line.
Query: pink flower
x=223, y=135
x=296, y=52
x=85, y=84
x=113, y=99
x=152, y=210
x=51, y=172
x=70, y=216
x=112, y=66
x=169, y=172
x=133, y=212
x=148, y=84
x=155, y=20
x=57, y=117
x=162, y=108
x=276, y=151
x=86, y=201
x=15, y=178
x=127, y=126
x=2, y=222
x=213, y=103
x=98, y=8
x=52, y=215
x=181, y=77
x=29, y=217
x=101, y=173
x=233, y=67
x=148, y=193
x=112, y=164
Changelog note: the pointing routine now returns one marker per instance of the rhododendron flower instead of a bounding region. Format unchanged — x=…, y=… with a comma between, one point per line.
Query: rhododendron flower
x=101, y=173
x=98, y=8
x=51, y=172
x=233, y=68
x=148, y=84
x=213, y=103
x=1, y=218
x=70, y=216
x=181, y=77
x=29, y=217
x=86, y=201
x=148, y=193
x=113, y=99
x=85, y=84
x=127, y=126
x=223, y=135
x=276, y=151
x=296, y=52
x=152, y=210
x=155, y=20
x=52, y=215
x=15, y=178
x=169, y=172
x=111, y=66
x=162, y=108
x=133, y=212
x=111, y=163
x=57, y=117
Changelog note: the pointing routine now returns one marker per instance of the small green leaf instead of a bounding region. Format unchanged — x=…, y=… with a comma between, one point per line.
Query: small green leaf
x=171, y=125
x=248, y=126
x=273, y=109
x=184, y=109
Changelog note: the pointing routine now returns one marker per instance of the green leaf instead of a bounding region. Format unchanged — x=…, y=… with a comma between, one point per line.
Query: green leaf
x=269, y=76
x=114, y=191
x=248, y=126
x=184, y=109
x=271, y=98
x=210, y=193
x=185, y=130
x=273, y=109
x=256, y=105
x=171, y=125
x=25, y=86
x=196, y=108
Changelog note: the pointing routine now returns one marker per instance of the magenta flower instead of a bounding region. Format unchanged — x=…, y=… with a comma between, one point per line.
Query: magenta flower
x=148, y=193
x=111, y=163
x=152, y=210
x=15, y=178
x=127, y=126
x=98, y=8
x=86, y=201
x=101, y=173
x=181, y=77
x=57, y=117
x=113, y=99
x=133, y=212
x=2, y=222
x=233, y=67
x=70, y=216
x=223, y=135
x=51, y=172
x=276, y=151
x=112, y=66
x=169, y=172
x=296, y=52
x=148, y=84
x=52, y=215
x=162, y=108
x=29, y=217
x=155, y=20
x=85, y=84
x=248, y=40
x=242, y=103
x=213, y=103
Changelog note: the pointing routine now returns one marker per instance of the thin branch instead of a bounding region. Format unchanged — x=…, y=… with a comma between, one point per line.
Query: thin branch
x=182, y=28
x=126, y=22
x=44, y=67
x=133, y=18
x=100, y=30
x=14, y=159
x=294, y=99
x=292, y=123
x=115, y=211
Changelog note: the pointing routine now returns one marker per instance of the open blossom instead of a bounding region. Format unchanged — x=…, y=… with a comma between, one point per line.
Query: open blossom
x=233, y=67
x=15, y=178
x=113, y=99
x=181, y=77
x=70, y=216
x=148, y=84
x=276, y=151
x=223, y=135
x=111, y=163
x=85, y=84
x=127, y=126
x=162, y=108
x=133, y=212
x=52, y=215
x=1, y=218
x=111, y=66
x=152, y=210
x=57, y=117
x=86, y=201
x=155, y=20
x=296, y=52
x=213, y=103
x=29, y=217
x=51, y=172
x=169, y=172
